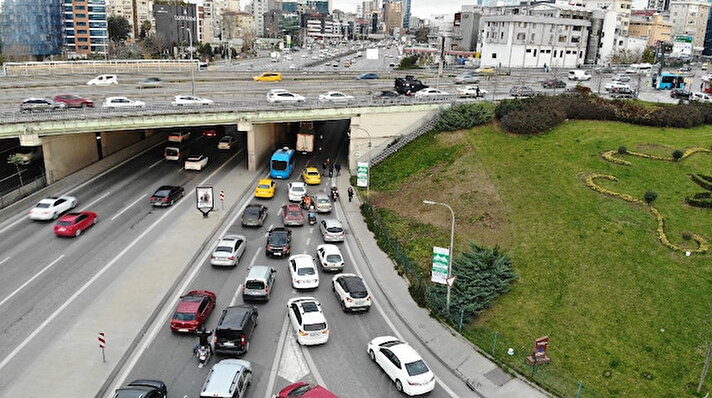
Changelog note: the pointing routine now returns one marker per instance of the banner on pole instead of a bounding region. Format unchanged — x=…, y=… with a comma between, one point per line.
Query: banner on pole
x=441, y=261
x=362, y=174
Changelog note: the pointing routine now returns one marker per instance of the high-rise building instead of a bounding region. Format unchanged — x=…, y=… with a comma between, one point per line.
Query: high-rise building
x=31, y=28
x=135, y=11
x=659, y=5
x=406, y=14
x=393, y=16
x=259, y=8
x=689, y=18
x=85, y=29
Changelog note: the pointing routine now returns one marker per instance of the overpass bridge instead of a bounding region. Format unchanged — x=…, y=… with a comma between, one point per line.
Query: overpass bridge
x=74, y=139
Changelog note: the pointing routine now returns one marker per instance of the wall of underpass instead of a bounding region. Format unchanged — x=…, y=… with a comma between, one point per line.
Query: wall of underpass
x=262, y=140
x=114, y=141
x=65, y=154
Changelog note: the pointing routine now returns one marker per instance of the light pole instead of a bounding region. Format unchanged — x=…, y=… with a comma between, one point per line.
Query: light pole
x=368, y=177
x=192, y=67
x=452, y=242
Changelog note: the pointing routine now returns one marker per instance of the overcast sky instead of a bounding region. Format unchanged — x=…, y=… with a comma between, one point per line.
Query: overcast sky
x=419, y=8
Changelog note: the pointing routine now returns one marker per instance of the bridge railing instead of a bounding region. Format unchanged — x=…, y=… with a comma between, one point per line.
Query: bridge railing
x=98, y=67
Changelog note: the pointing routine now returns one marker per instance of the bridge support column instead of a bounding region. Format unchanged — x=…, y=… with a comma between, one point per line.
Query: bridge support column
x=65, y=154
x=262, y=139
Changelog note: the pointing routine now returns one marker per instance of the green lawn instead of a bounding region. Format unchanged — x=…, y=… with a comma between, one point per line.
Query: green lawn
x=624, y=313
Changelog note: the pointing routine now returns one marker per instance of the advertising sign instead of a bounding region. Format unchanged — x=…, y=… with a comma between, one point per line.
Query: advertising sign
x=204, y=199
x=371, y=53
x=539, y=351
x=362, y=174
x=441, y=261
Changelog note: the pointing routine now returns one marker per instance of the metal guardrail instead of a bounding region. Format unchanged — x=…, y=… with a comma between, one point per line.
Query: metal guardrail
x=98, y=67
x=217, y=107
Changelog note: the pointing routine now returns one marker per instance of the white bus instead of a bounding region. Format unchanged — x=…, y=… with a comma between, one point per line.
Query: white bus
x=639, y=69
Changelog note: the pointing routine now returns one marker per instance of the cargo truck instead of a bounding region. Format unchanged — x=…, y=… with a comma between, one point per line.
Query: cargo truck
x=305, y=138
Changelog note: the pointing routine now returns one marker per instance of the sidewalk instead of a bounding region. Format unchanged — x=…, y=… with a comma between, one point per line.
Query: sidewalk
x=454, y=351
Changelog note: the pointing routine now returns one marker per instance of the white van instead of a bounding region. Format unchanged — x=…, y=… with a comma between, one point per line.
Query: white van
x=103, y=80
x=579, y=74
x=639, y=69
x=701, y=97
x=259, y=283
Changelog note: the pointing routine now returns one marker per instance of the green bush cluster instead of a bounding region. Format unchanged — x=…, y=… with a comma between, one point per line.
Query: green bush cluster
x=591, y=107
x=702, y=199
x=465, y=116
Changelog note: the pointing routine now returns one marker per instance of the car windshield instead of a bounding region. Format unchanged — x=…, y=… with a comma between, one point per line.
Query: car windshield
x=294, y=214
x=314, y=327
x=184, y=316
x=254, y=285
x=43, y=205
x=252, y=212
x=333, y=258
x=162, y=193
x=301, y=390
x=305, y=271
x=263, y=186
x=335, y=230
x=171, y=152
x=223, y=249
x=416, y=368
x=64, y=223
x=298, y=189
x=278, y=239
x=322, y=200
x=313, y=173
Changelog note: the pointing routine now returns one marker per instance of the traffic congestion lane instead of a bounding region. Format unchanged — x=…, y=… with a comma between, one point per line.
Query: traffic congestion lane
x=38, y=301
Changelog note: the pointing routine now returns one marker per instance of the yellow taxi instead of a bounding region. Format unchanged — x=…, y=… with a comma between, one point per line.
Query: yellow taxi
x=311, y=176
x=265, y=188
x=485, y=71
x=268, y=77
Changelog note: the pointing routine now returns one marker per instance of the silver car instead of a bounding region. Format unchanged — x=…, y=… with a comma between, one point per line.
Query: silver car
x=228, y=250
x=228, y=378
x=322, y=204
x=331, y=230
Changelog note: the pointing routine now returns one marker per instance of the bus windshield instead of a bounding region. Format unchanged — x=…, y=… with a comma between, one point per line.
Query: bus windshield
x=279, y=165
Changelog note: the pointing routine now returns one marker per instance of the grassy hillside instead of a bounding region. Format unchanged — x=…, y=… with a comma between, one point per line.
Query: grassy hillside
x=624, y=313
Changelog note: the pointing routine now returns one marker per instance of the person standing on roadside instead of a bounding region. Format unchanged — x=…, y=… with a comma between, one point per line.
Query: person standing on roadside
x=351, y=193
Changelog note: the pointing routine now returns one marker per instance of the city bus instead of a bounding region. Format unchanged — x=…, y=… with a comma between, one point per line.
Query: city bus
x=668, y=81
x=282, y=163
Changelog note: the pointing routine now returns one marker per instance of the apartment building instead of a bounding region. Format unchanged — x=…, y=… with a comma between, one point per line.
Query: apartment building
x=393, y=17
x=85, y=28
x=650, y=26
x=135, y=11
x=689, y=18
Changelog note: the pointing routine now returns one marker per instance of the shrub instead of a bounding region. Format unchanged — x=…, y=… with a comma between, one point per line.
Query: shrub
x=465, y=116
x=686, y=235
x=622, y=150
x=650, y=196
x=677, y=154
x=507, y=106
x=410, y=62
x=682, y=116
x=702, y=199
x=532, y=121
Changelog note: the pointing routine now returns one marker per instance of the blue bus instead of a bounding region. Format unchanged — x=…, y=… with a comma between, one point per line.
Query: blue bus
x=668, y=81
x=282, y=163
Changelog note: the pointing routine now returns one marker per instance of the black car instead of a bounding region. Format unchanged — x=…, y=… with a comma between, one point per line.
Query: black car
x=40, y=105
x=254, y=215
x=680, y=93
x=278, y=242
x=408, y=85
x=386, y=94
x=623, y=92
x=234, y=330
x=553, y=83
x=143, y=389
x=166, y=195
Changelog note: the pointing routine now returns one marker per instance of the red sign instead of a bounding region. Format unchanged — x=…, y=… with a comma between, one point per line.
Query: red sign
x=539, y=352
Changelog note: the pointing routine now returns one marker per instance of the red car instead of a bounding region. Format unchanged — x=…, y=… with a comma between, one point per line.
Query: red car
x=292, y=214
x=74, y=101
x=72, y=224
x=211, y=133
x=305, y=390
x=193, y=309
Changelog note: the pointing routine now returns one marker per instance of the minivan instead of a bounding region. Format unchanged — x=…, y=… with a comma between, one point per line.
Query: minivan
x=259, y=283
x=176, y=152
x=103, y=80
x=234, y=330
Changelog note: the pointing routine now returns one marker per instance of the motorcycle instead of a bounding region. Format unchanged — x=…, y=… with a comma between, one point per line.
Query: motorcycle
x=203, y=354
x=334, y=193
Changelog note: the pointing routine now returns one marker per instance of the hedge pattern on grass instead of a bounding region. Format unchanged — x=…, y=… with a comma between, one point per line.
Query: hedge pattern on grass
x=701, y=199
x=592, y=107
x=465, y=116
x=609, y=155
x=702, y=244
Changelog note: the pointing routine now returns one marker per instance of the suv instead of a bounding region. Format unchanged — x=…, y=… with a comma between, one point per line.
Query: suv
x=408, y=85
x=142, y=389
x=228, y=378
x=331, y=230
x=278, y=242
x=235, y=327
x=351, y=292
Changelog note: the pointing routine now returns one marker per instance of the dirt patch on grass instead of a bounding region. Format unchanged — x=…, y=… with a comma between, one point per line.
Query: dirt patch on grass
x=464, y=185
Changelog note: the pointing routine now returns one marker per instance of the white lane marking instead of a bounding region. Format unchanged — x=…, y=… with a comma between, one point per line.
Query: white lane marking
x=252, y=262
x=155, y=164
x=312, y=367
x=308, y=241
x=96, y=276
x=5, y=259
x=162, y=318
x=30, y=280
x=279, y=211
x=96, y=200
x=234, y=297
x=277, y=356
x=14, y=223
x=127, y=207
x=445, y=387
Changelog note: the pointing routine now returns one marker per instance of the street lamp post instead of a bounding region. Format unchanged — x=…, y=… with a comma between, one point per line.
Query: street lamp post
x=452, y=242
x=192, y=67
x=368, y=177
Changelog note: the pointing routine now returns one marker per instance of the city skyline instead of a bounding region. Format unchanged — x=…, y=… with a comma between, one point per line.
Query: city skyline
x=419, y=8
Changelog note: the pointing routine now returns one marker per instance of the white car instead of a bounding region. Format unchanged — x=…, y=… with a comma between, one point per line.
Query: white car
x=351, y=292
x=402, y=364
x=181, y=100
x=307, y=319
x=226, y=142
x=122, y=102
x=282, y=95
x=302, y=269
x=228, y=378
x=701, y=97
x=330, y=257
x=471, y=91
x=430, y=92
x=50, y=208
x=297, y=191
x=336, y=97
x=228, y=250
x=103, y=80
x=197, y=163
x=616, y=85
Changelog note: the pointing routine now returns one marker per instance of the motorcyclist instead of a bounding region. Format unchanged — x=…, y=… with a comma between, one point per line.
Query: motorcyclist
x=312, y=214
x=204, y=340
x=306, y=201
x=334, y=193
